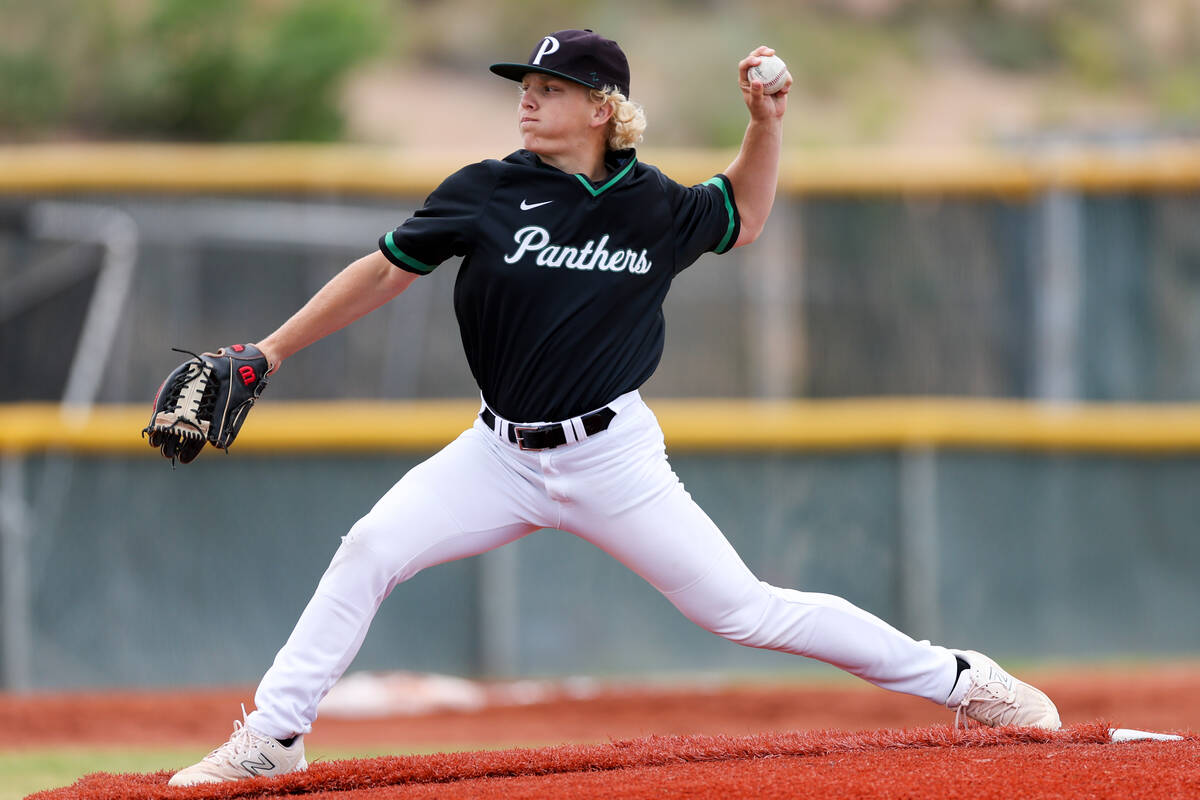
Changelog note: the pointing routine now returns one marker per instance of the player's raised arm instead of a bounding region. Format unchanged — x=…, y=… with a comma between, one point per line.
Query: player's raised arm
x=755, y=172
x=354, y=292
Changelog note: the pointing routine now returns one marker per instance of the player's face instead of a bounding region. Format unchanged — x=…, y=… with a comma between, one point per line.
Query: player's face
x=554, y=115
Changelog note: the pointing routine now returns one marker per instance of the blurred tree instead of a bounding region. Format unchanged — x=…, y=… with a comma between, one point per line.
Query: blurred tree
x=1020, y=42
x=227, y=70
x=219, y=70
x=211, y=71
x=194, y=81
x=33, y=93
x=295, y=78
x=32, y=87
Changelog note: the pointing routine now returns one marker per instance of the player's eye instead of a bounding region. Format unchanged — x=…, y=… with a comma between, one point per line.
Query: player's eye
x=543, y=89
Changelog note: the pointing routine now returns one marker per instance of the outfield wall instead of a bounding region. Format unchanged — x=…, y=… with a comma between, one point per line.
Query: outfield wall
x=1033, y=532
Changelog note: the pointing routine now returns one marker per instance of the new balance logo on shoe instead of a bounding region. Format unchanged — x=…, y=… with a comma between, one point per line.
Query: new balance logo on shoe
x=526, y=205
x=260, y=767
x=244, y=756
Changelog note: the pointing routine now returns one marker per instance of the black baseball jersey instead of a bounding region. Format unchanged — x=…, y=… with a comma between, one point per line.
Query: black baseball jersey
x=559, y=295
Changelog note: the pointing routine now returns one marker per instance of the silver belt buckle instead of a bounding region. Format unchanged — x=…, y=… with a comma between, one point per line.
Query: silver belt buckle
x=517, y=429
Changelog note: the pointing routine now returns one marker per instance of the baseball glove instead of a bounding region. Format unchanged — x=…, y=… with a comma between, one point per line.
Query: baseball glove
x=206, y=399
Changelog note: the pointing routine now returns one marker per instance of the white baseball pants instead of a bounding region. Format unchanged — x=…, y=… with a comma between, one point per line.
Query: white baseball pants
x=615, y=490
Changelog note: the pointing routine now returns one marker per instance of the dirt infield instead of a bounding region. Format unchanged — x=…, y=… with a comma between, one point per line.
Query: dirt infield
x=933, y=761
x=1160, y=698
x=765, y=741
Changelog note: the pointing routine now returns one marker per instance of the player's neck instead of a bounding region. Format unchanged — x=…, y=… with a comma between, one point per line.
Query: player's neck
x=588, y=162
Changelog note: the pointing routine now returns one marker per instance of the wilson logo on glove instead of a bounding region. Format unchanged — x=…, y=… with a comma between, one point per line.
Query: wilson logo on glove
x=201, y=402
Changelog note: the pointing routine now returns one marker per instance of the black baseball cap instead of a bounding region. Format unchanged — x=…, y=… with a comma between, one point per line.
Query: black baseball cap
x=584, y=57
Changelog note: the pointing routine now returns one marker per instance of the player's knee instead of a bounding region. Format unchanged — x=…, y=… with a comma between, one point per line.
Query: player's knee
x=731, y=611
x=403, y=534
x=373, y=542
x=357, y=566
x=740, y=624
x=775, y=619
x=369, y=532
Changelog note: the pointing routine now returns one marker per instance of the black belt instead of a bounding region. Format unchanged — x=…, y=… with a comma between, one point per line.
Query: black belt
x=547, y=437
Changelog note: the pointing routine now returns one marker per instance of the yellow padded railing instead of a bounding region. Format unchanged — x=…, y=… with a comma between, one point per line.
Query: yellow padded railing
x=690, y=425
x=357, y=169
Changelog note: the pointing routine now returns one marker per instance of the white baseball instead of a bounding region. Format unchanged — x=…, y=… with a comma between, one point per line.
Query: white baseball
x=772, y=72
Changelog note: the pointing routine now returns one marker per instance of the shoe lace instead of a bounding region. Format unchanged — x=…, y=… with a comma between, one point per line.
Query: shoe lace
x=240, y=745
x=992, y=700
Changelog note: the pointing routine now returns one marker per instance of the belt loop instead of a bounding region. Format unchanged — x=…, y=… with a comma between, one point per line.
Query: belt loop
x=497, y=424
x=570, y=431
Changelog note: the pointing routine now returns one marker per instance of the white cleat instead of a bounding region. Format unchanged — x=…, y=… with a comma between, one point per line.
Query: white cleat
x=989, y=695
x=247, y=754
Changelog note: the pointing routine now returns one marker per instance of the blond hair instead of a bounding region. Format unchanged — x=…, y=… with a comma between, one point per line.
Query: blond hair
x=628, y=121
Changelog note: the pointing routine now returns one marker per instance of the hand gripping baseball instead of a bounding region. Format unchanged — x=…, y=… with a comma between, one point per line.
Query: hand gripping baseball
x=204, y=399
x=765, y=82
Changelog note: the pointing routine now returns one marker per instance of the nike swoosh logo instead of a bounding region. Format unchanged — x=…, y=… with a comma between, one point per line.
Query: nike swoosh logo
x=525, y=206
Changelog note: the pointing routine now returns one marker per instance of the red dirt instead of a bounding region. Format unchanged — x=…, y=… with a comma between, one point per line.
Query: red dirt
x=885, y=763
x=791, y=741
x=1161, y=699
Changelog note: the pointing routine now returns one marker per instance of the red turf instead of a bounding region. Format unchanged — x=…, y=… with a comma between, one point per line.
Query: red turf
x=886, y=763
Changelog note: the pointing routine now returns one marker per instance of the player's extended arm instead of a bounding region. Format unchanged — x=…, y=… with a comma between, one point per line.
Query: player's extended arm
x=357, y=290
x=755, y=172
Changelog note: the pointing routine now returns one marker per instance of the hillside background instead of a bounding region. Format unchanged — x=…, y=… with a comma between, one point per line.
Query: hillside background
x=413, y=72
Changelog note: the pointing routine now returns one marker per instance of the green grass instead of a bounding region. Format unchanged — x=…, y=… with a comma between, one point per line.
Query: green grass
x=23, y=772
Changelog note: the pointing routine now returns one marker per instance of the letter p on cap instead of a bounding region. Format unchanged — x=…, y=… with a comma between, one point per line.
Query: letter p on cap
x=549, y=45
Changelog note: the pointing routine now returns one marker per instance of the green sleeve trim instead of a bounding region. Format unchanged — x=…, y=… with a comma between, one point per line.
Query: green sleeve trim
x=597, y=192
x=720, y=184
x=390, y=241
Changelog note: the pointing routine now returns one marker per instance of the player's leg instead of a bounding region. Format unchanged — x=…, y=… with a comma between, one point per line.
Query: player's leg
x=657, y=530
x=463, y=501
x=673, y=544
x=459, y=503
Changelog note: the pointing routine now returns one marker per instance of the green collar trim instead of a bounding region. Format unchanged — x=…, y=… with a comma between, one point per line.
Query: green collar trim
x=597, y=192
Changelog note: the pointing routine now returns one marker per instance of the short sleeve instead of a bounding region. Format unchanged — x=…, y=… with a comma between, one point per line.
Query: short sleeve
x=445, y=225
x=706, y=219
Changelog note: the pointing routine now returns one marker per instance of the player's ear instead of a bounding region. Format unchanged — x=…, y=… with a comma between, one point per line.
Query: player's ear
x=602, y=112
